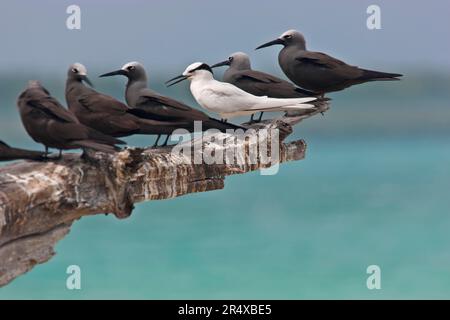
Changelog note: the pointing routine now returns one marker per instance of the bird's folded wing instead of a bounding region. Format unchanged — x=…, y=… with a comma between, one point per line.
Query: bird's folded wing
x=102, y=103
x=261, y=81
x=320, y=59
x=154, y=100
x=51, y=107
x=258, y=76
x=227, y=90
x=157, y=107
x=228, y=98
x=68, y=131
x=123, y=124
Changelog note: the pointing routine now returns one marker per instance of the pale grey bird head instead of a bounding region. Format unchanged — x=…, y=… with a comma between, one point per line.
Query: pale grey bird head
x=288, y=38
x=34, y=84
x=194, y=70
x=78, y=72
x=134, y=71
x=33, y=91
x=237, y=60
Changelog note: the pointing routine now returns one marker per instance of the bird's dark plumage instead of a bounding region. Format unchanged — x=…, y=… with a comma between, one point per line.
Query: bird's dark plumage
x=8, y=153
x=106, y=114
x=317, y=71
x=49, y=123
x=258, y=83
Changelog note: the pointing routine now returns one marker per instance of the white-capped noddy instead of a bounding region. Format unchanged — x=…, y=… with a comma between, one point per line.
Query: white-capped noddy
x=230, y=101
x=149, y=104
x=49, y=123
x=317, y=71
x=8, y=153
x=241, y=74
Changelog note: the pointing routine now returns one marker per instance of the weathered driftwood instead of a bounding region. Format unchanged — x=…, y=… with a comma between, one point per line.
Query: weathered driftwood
x=39, y=201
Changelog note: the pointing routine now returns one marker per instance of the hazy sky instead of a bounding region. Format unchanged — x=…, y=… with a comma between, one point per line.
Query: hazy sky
x=172, y=34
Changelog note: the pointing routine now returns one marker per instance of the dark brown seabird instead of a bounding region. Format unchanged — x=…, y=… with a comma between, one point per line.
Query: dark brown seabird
x=49, y=123
x=317, y=71
x=241, y=74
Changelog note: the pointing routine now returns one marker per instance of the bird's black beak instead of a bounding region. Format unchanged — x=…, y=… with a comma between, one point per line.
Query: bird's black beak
x=271, y=43
x=176, y=80
x=86, y=79
x=114, y=73
x=220, y=64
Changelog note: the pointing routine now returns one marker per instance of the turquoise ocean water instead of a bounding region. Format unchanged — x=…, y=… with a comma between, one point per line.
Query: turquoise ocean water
x=373, y=189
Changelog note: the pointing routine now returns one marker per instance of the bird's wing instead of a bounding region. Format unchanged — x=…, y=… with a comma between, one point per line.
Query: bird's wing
x=77, y=132
x=260, y=83
x=68, y=131
x=320, y=59
x=53, y=109
x=223, y=89
x=110, y=113
x=156, y=99
x=158, y=107
x=125, y=124
x=257, y=76
x=97, y=102
x=226, y=97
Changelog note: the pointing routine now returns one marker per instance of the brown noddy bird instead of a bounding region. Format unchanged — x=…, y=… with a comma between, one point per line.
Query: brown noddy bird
x=241, y=74
x=317, y=71
x=103, y=112
x=49, y=123
x=8, y=153
x=149, y=104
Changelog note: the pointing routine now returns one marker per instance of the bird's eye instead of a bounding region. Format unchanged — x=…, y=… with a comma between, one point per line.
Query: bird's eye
x=288, y=36
x=74, y=70
x=131, y=68
x=230, y=59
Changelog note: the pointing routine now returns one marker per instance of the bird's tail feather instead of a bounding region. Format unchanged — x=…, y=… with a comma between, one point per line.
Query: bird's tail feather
x=148, y=126
x=370, y=75
x=96, y=146
x=3, y=144
x=273, y=103
x=305, y=92
x=286, y=108
x=219, y=125
x=104, y=138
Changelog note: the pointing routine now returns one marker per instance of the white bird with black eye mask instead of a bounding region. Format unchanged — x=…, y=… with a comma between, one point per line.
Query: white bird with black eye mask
x=228, y=100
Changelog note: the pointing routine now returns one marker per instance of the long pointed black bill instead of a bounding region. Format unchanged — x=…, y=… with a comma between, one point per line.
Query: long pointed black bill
x=270, y=43
x=176, y=80
x=113, y=73
x=86, y=79
x=220, y=64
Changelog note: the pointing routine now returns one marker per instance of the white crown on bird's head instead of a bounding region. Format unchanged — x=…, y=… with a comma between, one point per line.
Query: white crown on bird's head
x=127, y=65
x=292, y=36
x=78, y=68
